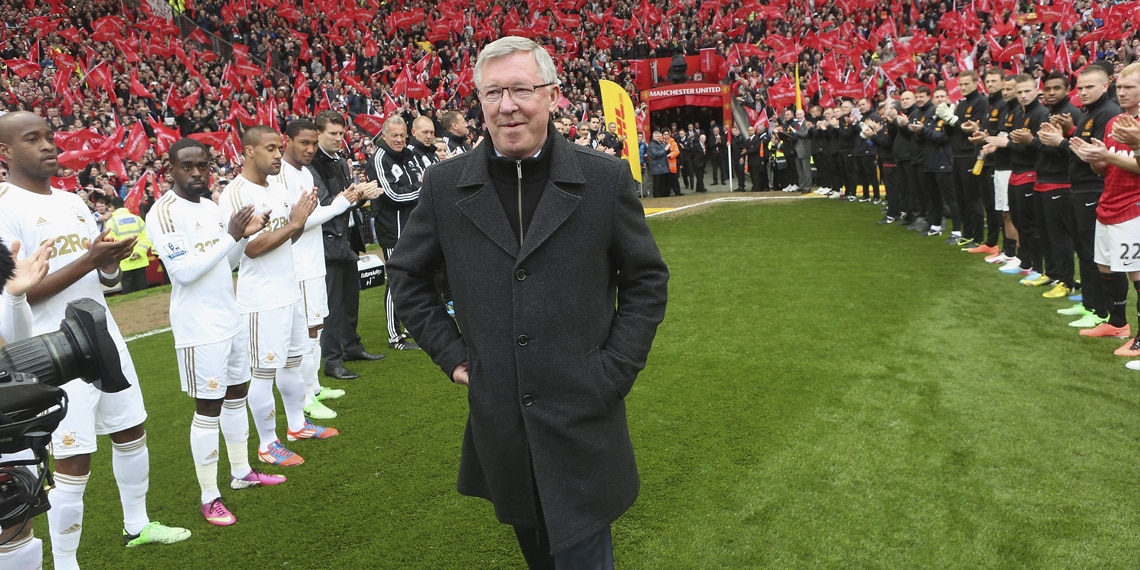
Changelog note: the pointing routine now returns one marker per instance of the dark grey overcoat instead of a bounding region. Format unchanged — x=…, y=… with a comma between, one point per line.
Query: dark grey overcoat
x=554, y=332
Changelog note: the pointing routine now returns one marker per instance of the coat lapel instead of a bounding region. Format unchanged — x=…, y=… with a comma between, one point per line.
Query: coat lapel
x=559, y=198
x=483, y=207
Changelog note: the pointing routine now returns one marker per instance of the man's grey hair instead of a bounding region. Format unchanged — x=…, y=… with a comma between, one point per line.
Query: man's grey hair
x=504, y=47
x=393, y=121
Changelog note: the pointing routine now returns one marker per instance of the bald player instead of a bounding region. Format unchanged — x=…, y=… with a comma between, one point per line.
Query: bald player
x=82, y=260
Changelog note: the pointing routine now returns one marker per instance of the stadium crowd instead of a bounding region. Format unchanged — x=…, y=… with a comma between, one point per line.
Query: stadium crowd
x=986, y=123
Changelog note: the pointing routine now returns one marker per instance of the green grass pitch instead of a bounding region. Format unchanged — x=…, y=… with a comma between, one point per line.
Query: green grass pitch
x=824, y=393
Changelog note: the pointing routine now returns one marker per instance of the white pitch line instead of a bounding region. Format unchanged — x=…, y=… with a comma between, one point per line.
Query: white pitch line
x=732, y=199
x=146, y=334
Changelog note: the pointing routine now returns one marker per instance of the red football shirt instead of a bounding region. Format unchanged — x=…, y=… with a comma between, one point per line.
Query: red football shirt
x=1120, y=201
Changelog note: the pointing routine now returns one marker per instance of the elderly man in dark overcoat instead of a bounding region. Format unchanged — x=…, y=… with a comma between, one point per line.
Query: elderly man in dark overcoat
x=558, y=287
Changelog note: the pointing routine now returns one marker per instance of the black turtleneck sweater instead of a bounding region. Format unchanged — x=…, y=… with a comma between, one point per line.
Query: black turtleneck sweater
x=520, y=182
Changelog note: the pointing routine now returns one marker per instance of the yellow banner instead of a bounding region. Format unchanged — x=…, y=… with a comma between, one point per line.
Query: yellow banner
x=618, y=108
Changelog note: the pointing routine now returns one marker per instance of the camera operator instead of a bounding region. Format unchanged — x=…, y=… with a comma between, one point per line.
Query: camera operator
x=19, y=548
x=32, y=212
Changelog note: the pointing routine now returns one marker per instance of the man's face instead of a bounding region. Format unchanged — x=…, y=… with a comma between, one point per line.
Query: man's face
x=940, y=97
x=1009, y=90
x=921, y=99
x=266, y=154
x=395, y=135
x=613, y=128
x=704, y=139
x=1055, y=91
x=594, y=124
x=458, y=127
x=191, y=172
x=787, y=115
x=562, y=128
x=1090, y=87
x=424, y=131
x=751, y=131
x=518, y=128
x=967, y=85
x=993, y=83
x=800, y=115
x=31, y=151
x=845, y=109
x=864, y=106
x=735, y=132
x=331, y=140
x=1128, y=92
x=906, y=100
x=1026, y=92
x=302, y=148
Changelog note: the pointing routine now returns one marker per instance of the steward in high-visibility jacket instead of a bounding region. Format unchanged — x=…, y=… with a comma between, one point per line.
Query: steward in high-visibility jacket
x=125, y=225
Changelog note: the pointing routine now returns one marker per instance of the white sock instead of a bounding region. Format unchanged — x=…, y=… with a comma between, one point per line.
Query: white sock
x=292, y=388
x=24, y=554
x=262, y=405
x=235, y=430
x=316, y=357
x=131, y=464
x=65, y=519
x=309, y=367
x=204, y=450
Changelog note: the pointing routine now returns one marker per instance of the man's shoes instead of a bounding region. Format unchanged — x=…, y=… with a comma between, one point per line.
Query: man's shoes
x=319, y=411
x=155, y=533
x=1077, y=310
x=362, y=355
x=966, y=243
x=217, y=514
x=1059, y=290
x=403, y=344
x=1106, y=329
x=312, y=431
x=1041, y=279
x=256, y=479
x=1011, y=267
x=1088, y=321
x=1130, y=348
x=954, y=240
x=1132, y=365
x=886, y=220
x=327, y=393
x=278, y=455
x=1077, y=298
x=341, y=373
x=998, y=257
x=934, y=231
x=983, y=248
x=1030, y=276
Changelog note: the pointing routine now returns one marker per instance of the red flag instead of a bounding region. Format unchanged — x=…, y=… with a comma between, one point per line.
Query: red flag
x=322, y=103
x=216, y=139
x=240, y=113
x=199, y=36
x=138, y=89
x=23, y=67
x=135, y=146
x=134, y=196
x=301, y=92
x=372, y=124
x=163, y=135
x=390, y=107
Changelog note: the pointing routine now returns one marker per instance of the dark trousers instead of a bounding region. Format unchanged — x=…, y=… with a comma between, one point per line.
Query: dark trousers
x=933, y=188
x=867, y=175
x=719, y=168
x=395, y=327
x=661, y=185
x=1056, y=233
x=758, y=172
x=892, y=175
x=1023, y=210
x=835, y=172
x=675, y=183
x=596, y=552
x=909, y=201
x=994, y=223
x=850, y=175
x=699, y=175
x=1084, y=234
x=967, y=209
x=342, y=281
x=738, y=174
x=133, y=280
x=686, y=175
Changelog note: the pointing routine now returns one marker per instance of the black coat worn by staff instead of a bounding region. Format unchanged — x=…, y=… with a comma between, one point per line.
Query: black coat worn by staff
x=550, y=358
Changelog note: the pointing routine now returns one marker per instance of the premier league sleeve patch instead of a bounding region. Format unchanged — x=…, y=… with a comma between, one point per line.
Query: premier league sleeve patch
x=174, y=249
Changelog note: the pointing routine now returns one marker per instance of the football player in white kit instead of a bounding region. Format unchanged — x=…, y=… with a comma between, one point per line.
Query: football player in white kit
x=309, y=253
x=199, y=249
x=31, y=211
x=268, y=295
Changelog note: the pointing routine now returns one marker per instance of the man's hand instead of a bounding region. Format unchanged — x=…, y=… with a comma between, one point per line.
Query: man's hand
x=1091, y=151
x=1064, y=121
x=460, y=375
x=901, y=120
x=105, y=253
x=1126, y=130
x=1050, y=134
x=915, y=127
x=242, y=221
x=1000, y=140
x=30, y=270
x=970, y=127
x=304, y=206
x=1021, y=136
